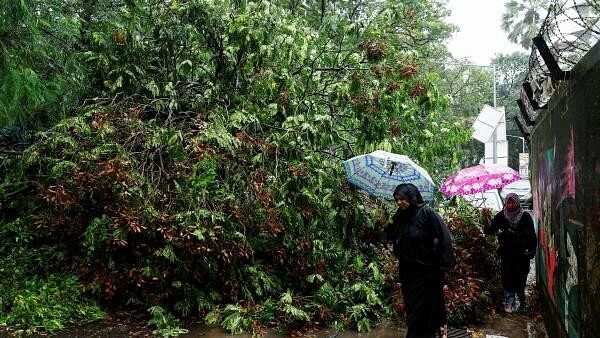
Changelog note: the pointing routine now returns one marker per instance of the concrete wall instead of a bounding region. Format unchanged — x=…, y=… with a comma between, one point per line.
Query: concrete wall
x=565, y=169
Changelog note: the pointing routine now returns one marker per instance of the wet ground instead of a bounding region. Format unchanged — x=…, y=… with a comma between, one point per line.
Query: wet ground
x=513, y=326
x=382, y=331
x=500, y=325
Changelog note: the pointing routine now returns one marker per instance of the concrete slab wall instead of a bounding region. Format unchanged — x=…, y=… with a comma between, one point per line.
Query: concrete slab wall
x=565, y=170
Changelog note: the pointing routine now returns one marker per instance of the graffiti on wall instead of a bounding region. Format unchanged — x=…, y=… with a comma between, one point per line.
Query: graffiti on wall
x=567, y=177
x=558, y=238
x=570, y=292
x=548, y=257
x=545, y=235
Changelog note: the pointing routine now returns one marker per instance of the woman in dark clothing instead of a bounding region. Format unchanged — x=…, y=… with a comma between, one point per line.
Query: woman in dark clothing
x=518, y=242
x=423, y=247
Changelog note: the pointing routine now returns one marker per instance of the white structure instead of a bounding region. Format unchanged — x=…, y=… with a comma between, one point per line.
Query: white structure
x=488, y=199
x=524, y=165
x=490, y=128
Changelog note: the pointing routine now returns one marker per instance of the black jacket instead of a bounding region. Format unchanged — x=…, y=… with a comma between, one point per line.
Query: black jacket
x=516, y=240
x=421, y=238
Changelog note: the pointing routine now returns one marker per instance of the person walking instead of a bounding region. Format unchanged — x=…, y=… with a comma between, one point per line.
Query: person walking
x=422, y=244
x=517, y=245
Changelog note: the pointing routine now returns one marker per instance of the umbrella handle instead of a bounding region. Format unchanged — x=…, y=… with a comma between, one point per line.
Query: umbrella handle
x=392, y=168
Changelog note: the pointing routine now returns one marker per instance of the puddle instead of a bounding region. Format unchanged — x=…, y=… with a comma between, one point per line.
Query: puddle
x=512, y=326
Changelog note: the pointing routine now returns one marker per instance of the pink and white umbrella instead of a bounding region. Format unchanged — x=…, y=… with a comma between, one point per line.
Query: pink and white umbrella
x=478, y=178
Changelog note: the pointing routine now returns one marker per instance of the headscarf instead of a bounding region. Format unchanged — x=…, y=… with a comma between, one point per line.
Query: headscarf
x=411, y=193
x=515, y=215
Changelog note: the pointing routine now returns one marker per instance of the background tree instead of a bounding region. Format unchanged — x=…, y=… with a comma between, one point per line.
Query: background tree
x=511, y=70
x=471, y=87
x=41, y=77
x=522, y=19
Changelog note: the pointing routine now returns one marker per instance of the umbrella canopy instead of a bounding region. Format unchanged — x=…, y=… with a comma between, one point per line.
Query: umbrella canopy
x=380, y=172
x=478, y=178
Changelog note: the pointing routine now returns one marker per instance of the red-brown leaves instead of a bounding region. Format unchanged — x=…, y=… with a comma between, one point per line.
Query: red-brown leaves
x=473, y=272
x=398, y=301
x=58, y=197
x=273, y=223
x=408, y=70
x=283, y=99
x=201, y=150
x=360, y=100
x=119, y=37
x=393, y=86
x=379, y=71
x=299, y=170
x=375, y=49
x=417, y=90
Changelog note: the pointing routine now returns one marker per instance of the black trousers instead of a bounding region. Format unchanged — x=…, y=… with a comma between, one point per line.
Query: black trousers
x=514, y=271
x=423, y=292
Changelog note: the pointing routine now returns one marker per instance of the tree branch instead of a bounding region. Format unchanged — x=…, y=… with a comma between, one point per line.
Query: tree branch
x=10, y=152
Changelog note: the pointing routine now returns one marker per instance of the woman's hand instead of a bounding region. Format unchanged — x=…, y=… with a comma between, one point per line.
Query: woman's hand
x=487, y=215
x=382, y=217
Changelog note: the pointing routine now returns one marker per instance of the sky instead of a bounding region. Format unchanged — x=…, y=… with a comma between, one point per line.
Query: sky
x=480, y=35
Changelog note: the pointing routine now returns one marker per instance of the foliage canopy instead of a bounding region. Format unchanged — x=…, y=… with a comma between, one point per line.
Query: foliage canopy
x=200, y=152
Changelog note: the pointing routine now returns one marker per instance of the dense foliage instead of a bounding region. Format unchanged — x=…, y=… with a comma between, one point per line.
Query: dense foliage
x=41, y=75
x=197, y=172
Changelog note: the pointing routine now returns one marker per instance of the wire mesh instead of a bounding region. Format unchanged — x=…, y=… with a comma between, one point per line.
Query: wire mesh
x=570, y=29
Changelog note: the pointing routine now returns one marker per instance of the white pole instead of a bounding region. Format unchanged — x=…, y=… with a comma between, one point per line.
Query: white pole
x=494, y=136
x=521, y=138
x=494, y=80
x=495, y=147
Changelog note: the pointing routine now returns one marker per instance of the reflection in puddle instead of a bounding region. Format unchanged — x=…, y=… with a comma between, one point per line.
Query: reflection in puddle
x=512, y=326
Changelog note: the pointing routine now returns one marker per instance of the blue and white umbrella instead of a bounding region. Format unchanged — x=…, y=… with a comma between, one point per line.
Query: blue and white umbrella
x=380, y=172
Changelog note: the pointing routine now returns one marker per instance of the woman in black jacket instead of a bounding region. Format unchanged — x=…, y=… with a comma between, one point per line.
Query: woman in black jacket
x=517, y=245
x=423, y=247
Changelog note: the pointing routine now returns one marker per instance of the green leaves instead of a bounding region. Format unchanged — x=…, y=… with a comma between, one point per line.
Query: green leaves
x=185, y=67
x=97, y=234
x=292, y=312
x=48, y=304
x=295, y=313
x=235, y=321
x=168, y=253
x=204, y=173
x=166, y=324
x=326, y=295
x=218, y=132
x=522, y=20
x=40, y=76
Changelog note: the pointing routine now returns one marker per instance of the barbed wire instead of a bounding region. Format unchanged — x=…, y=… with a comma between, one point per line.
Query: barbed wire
x=570, y=29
